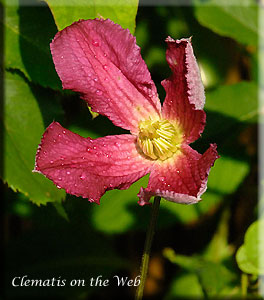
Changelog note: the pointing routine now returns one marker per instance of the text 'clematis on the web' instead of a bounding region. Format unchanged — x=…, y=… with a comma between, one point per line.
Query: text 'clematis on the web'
x=102, y=62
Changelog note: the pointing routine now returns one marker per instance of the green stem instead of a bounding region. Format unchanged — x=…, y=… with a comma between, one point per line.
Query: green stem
x=148, y=242
x=244, y=284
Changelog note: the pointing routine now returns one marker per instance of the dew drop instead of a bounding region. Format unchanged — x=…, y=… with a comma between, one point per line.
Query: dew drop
x=51, y=161
x=110, y=185
x=59, y=135
x=64, y=131
x=62, y=56
x=117, y=144
x=178, y=171
x=44, y=152
x=105, y=67
x=106, y=79
x=95, y=79
x=88, y=149
x=105, y=54
x=96, y=43
x=54, y=141
x=95, y=56
x=99, y=92
x=68, y=172
x=83, y=158
x=59, y=178
x=162, y=178
x=59, y=187
x=94, y=147
x=82, y=177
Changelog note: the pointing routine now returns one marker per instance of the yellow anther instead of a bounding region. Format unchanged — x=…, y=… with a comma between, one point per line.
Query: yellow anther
x=159, y=139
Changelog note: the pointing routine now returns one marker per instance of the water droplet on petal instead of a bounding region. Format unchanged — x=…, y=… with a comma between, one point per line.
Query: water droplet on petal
x=68, y=172
x=82, y=177
x=59, y=135
x=51, y=161
x=96, y=43
x=44, y=152
x=162, y=178
x=98, y=92
x=88, y=149
x=59, y=178
x=62, y=56
x=94, y=147
x=54, y=141
x=64, y=131
x=95, y=79
x=59, y=187
x=178, y=171
x=105, y=54
x=105, y=67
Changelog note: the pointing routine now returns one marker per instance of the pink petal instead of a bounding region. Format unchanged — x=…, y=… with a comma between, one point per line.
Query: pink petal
x=101, y=60
x=86, y=167
x=184, y=90
x=182, y=178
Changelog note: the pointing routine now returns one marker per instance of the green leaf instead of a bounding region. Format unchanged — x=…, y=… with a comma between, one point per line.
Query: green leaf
x=185, y=286
x=212, y=276
x=239, y=21
x=23, y=127
x=28, y=33
x=66, y=12
x=250, y=255
x=114, y=214
x=238, y=101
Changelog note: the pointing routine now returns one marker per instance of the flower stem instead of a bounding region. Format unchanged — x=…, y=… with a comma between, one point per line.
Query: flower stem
x=148, y=242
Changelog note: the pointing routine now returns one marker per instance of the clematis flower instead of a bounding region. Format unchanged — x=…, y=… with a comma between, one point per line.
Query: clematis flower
x=101, y=61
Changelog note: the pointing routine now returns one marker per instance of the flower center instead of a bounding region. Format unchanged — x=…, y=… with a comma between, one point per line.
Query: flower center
x=159, y=139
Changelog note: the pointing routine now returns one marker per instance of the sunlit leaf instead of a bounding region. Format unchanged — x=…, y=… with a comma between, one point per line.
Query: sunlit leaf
x=238, y=101
x=66, y=12
x=28, y=33
x=236, y=20
x=23, y=127
x=250, y=255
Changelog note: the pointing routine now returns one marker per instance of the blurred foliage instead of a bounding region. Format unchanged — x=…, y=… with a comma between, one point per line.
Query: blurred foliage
x=248, y=256
x=76, y=239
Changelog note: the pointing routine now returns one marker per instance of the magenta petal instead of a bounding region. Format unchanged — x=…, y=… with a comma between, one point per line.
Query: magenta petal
x=101, y=60
x=86, y=167
x=184, y=90
x=181, y=179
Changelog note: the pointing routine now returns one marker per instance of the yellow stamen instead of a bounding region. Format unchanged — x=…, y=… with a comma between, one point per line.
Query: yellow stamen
x=159, y=139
